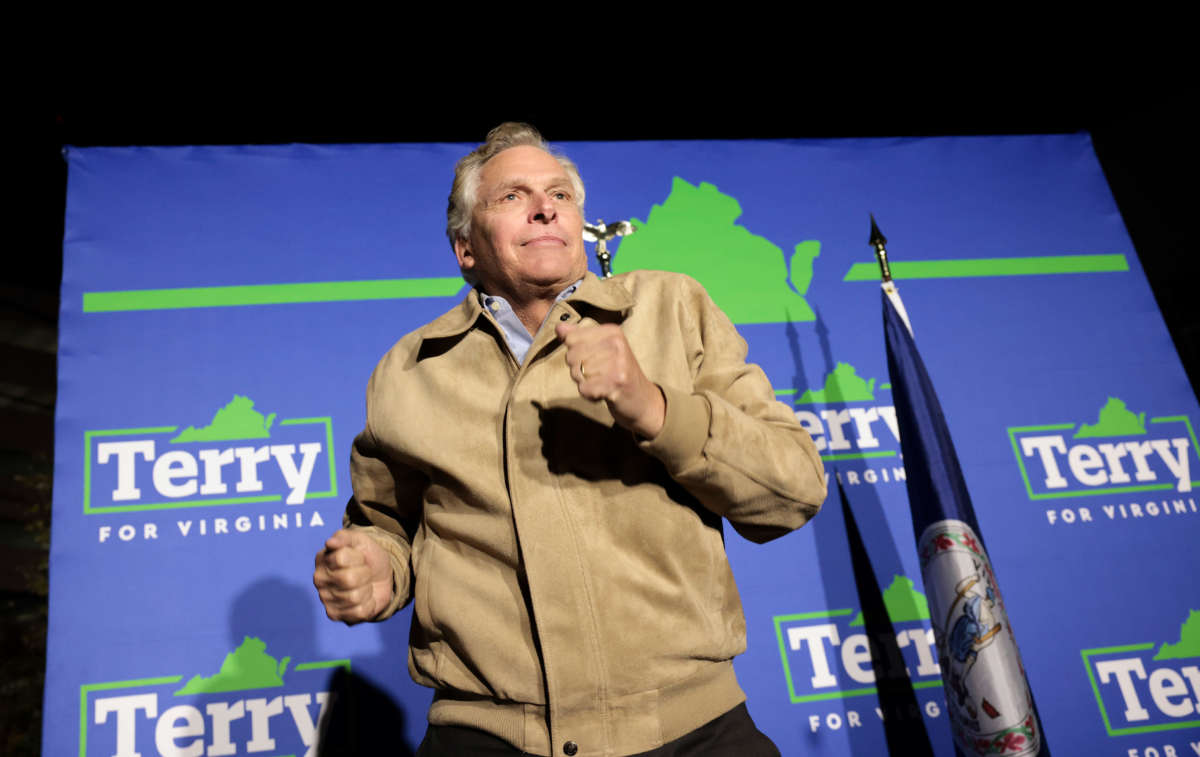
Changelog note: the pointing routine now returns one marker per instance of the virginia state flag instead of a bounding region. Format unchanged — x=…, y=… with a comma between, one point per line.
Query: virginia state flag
x=991, y=707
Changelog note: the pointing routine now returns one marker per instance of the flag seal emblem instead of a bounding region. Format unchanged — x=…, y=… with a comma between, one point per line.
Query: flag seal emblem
x=985, y=682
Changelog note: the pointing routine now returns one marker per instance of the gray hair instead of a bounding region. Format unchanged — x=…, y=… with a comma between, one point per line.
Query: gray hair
x=464, y=191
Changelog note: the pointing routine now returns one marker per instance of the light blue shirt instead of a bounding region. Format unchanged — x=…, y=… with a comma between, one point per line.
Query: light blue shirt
x=518, y=337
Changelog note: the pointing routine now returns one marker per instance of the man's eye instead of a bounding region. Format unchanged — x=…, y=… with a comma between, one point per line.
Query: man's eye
x=560, y=195
x=510, y=196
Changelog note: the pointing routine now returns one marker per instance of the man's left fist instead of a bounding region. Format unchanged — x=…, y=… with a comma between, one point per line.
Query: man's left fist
x=604, y=368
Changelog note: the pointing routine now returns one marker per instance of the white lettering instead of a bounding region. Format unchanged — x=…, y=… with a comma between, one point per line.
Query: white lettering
x=812, y=424
x=815, y=635
x=168, y=729
x=214, y=460
x=126, y=453
x=297, y=705
x=922, y=639
x=1112, y=455
x=1083, y=460
x=261, y=712
x=1139, y=452
x=297, y=479
x=1165, y=684
x=1192, y=673
x=222, y=714
x=126, y=709
x=856, y=652
x=250, y=458
x=837, y=419
x=1044, y=446
x=1123, y=669
x=888, y=413
x=173, y=465
x=863, y=418
x=1178, y=464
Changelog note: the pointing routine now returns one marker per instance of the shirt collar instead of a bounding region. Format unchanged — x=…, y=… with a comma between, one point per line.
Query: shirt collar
x=604, y=294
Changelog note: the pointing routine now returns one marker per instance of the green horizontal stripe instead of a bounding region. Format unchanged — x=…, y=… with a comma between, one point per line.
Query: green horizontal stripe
x=859, y=455
x=323, y=665
x=270, y=294
x=89, y=510
x=958, y=269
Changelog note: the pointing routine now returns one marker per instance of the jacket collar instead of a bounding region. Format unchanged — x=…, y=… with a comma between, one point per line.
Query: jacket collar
x=610, y=295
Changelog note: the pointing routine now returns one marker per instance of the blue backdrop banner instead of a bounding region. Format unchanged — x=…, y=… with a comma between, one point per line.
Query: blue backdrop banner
x=222, y=308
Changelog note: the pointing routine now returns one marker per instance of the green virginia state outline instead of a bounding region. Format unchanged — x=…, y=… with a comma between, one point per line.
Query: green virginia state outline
x=247, y=667
x=903, y=602
x=842, y=384
x=237, y=420
x=1115, y=420
x=1189, y=640
x=693, y=232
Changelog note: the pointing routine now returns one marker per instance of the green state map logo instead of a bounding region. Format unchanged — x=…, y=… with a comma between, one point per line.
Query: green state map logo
x=1121, y=452
x=156, y=716
x=241, y=456
x=1149, y=686
x=849, y=420
x=694, y=232
x=825, y=655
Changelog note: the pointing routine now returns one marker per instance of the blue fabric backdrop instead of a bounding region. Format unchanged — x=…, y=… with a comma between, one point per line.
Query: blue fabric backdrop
x=182, y=614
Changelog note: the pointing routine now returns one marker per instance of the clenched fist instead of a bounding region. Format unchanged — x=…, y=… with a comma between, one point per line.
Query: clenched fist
x=604, y=368
x=353, y=577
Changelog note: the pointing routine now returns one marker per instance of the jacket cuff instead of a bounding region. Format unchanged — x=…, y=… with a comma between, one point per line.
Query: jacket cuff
x=684, y=432
x=398, y=561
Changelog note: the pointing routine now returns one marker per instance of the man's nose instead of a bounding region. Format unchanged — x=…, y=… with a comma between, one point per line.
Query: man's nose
x=543, y=210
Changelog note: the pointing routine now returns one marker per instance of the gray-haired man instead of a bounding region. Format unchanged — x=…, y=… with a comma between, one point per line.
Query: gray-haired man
x=544, y=472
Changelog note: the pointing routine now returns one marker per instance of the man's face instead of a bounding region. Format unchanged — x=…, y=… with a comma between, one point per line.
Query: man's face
x=526, y=238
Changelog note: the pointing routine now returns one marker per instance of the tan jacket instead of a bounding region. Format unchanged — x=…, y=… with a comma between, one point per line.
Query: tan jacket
x=569, y=580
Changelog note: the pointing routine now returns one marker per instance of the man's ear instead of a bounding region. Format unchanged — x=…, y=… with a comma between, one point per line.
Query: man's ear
x=464, y=253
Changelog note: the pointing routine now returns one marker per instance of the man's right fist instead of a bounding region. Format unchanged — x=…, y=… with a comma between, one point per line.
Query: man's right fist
x=353, y=577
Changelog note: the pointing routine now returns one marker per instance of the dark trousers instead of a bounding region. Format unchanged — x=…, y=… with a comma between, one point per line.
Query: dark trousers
x=733, y=734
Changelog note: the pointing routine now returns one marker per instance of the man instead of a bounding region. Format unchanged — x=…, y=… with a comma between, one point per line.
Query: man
x=544, y=471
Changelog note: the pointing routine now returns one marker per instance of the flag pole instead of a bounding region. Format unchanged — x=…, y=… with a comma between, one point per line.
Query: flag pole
x=879, y=242
x=990, y=704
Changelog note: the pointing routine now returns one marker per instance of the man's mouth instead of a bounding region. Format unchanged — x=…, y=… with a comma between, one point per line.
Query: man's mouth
x=544, y=239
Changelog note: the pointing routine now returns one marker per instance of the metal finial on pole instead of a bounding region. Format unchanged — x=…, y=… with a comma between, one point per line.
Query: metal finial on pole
x=878, y=241
x=600, y=233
